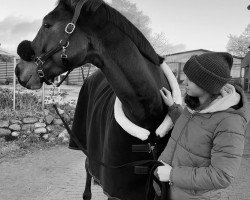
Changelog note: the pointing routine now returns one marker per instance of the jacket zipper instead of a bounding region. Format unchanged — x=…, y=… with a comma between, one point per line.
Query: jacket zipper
x=189, y=118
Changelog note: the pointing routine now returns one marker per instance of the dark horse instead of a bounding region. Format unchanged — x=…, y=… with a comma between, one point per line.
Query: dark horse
x=128, y=69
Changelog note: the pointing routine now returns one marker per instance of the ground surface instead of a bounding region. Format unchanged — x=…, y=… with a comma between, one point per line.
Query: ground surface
x=58, y=173
x=53, y=174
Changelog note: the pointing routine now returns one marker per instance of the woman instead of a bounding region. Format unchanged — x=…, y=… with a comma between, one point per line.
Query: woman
x=204, y=152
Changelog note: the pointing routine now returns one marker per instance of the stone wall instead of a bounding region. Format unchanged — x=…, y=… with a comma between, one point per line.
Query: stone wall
x=45, y=127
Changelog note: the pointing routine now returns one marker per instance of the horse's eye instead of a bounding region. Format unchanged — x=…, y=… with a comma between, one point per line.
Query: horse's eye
x=45, y=25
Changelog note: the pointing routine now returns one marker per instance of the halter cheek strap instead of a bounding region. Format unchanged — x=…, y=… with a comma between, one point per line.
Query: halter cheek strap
x=62, y=45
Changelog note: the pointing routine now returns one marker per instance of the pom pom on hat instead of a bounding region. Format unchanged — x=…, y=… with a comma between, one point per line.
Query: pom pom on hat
x=210, y=71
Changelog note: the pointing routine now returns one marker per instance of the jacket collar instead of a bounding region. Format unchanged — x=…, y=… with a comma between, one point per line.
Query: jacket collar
x=230, y=96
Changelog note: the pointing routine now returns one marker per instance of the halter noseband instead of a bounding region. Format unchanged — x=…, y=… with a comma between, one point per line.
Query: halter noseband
x=62, y=45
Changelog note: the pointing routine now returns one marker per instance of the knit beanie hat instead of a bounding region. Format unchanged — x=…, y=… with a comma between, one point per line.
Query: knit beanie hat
x=210, y=71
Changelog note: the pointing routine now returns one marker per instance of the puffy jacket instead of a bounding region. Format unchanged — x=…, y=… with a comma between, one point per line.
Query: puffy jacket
x=206, y=147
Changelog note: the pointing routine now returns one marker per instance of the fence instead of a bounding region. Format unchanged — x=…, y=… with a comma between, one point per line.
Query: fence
x=76, y=76
x=7, y=76
x=6, y=72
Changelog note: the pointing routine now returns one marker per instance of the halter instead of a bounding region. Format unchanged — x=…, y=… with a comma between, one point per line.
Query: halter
x=62, y=45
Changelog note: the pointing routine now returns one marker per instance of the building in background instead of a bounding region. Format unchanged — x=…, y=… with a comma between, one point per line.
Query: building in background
x=76, y=77
x=177, y=61
x=6, y=67
x=245, y=66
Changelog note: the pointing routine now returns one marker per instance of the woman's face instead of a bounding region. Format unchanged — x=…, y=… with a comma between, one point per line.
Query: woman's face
x=192, y=89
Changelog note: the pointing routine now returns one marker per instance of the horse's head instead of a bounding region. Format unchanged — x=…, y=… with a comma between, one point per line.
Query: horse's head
x=89, y=31
x=59, y=46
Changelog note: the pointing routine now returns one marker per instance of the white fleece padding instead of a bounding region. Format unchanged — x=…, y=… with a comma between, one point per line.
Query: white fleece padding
x=176, y=91
x=228, y=98
x=126, y=124
x=167, y=123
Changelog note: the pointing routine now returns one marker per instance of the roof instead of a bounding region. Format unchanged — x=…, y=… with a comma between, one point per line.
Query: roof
x=187, y=52
x=195, y=50
x=3, y=52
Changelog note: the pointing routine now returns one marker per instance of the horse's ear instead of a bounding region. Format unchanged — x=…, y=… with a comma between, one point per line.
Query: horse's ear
x=90, y=5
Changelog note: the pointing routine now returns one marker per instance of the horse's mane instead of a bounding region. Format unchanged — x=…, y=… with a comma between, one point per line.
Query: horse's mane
x=125, y=26
x=133, y=33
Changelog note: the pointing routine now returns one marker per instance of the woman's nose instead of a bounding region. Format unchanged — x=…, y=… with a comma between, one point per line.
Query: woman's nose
x=185, y=82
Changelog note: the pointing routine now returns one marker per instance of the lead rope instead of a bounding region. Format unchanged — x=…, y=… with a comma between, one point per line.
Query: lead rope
x=155, y=163
x=131, y=164
x=152, y=177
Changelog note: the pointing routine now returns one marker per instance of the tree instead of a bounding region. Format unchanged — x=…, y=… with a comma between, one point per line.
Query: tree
x=161, y=44
x=239, y=45
x=142, y=22
x=130, y=11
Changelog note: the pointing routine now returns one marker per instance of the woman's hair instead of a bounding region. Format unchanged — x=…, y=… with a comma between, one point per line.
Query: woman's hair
x=194, y=103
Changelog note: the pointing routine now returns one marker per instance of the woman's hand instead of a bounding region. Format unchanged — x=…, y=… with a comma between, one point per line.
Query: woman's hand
x=167, y=97
x=163, y=172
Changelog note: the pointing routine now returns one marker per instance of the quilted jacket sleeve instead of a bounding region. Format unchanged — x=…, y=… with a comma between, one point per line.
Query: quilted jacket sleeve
x=226, y=154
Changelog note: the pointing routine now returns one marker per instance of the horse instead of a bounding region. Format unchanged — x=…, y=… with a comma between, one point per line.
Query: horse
x=121, y=95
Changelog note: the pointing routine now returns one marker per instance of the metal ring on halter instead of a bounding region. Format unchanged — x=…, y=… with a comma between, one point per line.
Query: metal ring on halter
x=67, y=44
x=70, y=26
x=40, y=73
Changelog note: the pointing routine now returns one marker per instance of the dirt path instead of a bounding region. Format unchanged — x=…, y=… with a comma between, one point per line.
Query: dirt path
x=54, y=174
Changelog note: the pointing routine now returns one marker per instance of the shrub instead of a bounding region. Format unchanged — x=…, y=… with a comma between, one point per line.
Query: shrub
x=27, y=103
x=24, y=100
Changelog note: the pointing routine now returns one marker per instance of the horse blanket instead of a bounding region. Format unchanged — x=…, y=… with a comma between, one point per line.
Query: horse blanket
x=103, y=138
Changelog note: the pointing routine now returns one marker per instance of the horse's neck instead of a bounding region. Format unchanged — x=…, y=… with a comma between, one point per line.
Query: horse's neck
x=136, y=83
x=135, y=80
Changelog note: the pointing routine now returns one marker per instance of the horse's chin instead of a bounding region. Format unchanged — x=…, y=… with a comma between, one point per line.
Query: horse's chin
x=31, y=84
x=26, y=73
x=35, y=87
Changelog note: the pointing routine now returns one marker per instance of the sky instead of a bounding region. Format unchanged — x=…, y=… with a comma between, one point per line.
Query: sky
x=196, y=24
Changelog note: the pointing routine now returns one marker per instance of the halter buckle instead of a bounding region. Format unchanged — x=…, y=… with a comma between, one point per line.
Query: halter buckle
x=39, y=62
x=70, y=28
x=40, y=73
x=150, y=148
x=64, y=56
